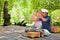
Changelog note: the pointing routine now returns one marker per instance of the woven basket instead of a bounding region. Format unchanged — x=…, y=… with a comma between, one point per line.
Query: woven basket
x=33, y=34
x=55, y=29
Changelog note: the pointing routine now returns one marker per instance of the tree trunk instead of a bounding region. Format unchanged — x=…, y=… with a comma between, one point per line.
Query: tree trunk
x=6, y=15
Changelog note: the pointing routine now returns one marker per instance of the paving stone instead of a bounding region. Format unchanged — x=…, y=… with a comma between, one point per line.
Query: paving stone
x=17, y=33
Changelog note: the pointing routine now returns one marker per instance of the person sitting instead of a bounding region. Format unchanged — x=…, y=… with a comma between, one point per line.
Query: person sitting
x=45, y=20
x=37, y=23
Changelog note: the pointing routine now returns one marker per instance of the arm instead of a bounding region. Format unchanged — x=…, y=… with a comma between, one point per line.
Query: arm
x=47, y=19
x=43, y=19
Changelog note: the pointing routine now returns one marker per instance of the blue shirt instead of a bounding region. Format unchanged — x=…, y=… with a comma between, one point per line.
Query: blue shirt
x=46, y=25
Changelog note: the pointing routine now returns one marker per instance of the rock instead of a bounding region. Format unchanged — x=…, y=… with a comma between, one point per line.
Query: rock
x=3, y=38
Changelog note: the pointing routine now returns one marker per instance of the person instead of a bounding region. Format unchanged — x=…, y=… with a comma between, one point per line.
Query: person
x=45, y=20
x=37, y=23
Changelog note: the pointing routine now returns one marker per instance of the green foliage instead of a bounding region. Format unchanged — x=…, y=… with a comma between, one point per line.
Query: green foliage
x=55, y=16
x=24, y=9
x=1, y=11
x=56, y=24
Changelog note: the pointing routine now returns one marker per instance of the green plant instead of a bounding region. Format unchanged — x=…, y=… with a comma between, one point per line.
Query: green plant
x=24, y=9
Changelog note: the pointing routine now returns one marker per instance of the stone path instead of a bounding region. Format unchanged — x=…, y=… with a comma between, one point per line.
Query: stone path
x=17, y=33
